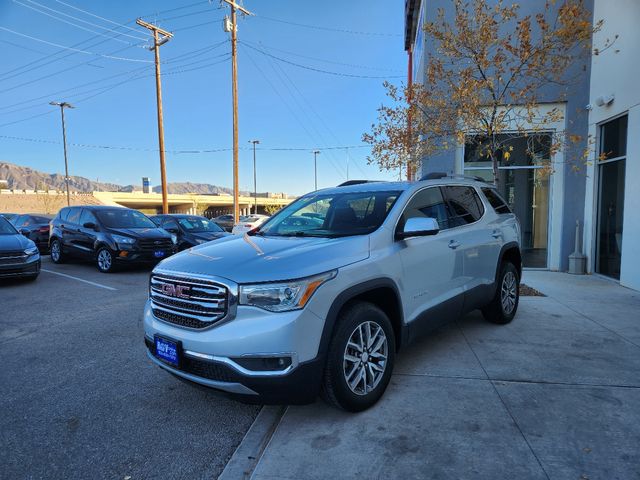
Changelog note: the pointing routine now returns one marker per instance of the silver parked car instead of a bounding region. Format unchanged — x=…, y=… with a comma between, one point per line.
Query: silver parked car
x=285, y=313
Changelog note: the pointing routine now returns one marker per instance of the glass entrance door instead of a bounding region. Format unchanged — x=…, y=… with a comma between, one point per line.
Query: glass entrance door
x=611, y=175
x=524, y=184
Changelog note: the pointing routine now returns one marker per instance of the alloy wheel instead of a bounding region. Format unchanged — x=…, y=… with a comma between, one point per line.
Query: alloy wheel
x=104, y=260
x=55, y=251
x=365, y=358
x=509, y=292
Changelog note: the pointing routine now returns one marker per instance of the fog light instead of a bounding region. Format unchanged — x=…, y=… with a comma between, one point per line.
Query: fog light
x=264, y=364
x=123, y=253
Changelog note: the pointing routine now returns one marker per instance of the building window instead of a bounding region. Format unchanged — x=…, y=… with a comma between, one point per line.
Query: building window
x=611, y=173
x=523, y=181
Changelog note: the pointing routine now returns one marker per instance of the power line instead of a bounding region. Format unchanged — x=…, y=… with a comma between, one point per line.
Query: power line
x=367, y=67
x=39, y=10
x=77, y=50
x=180, y=151
x=329, y=29
x=306, y=67
x=121, y=25
x=176, y=59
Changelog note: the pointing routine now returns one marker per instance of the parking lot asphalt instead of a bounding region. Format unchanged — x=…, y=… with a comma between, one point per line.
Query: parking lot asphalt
x=79, y=397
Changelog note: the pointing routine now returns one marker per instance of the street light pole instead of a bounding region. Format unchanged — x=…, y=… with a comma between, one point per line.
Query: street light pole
x=255, y=184
x=62, y=106
x=315, y=168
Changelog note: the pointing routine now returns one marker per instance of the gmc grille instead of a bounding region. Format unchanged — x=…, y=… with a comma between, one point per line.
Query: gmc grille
x=187, y=302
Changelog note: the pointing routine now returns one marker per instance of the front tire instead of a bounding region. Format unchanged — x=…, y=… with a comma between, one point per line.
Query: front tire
x=504, y=305
x=105, y=261
x=360, y=359
x=56, y=251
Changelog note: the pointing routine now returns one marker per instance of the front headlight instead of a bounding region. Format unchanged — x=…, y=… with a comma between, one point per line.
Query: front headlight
x=283, y=296
x=122, y=240
x=31, y=251
x=174, y=238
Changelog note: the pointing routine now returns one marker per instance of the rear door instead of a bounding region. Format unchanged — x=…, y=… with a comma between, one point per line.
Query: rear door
x=479, y=247
x=432, y=268
x=70, y=230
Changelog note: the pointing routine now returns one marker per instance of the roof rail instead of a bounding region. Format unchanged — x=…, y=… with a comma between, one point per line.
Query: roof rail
x=438, y=175
x=356, y=182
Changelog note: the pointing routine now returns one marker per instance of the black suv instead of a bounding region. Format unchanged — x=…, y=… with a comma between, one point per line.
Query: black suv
x=108, y=235
x=191, y=230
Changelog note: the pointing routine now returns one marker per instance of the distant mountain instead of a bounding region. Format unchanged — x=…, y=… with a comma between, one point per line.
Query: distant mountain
x=25, y=178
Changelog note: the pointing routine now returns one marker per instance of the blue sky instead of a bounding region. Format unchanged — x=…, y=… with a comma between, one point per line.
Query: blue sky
x=281, y=104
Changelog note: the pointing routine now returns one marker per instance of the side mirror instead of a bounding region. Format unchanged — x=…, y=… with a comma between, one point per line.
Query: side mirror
x=90, y=225
x=173, y=230
x=419, y=227
x=24, y=232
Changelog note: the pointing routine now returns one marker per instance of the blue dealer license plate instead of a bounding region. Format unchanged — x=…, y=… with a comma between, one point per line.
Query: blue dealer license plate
x=167, y=351
x=159, y=253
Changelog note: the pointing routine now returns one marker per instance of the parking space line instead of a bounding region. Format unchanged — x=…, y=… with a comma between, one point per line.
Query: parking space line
x=78, y=279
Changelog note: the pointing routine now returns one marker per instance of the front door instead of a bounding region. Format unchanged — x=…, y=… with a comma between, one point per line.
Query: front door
x=432, y=266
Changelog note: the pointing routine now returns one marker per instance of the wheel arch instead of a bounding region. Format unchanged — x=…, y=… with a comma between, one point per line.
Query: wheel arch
x=510, y=252
x=383, y=293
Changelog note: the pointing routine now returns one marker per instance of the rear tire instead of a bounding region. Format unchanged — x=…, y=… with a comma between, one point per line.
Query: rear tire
x=57, y=256
x=360, y=359
x=504, y=305
x=105, y=260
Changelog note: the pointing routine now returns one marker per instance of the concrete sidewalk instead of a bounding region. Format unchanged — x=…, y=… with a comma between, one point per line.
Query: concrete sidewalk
x=555, y=394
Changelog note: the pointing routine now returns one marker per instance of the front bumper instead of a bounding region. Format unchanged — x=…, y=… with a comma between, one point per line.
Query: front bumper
x=212, y=356
x=135, y=255
x=31, y=268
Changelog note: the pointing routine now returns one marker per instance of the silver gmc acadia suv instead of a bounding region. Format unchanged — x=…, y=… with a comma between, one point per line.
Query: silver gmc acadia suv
x=319, y=299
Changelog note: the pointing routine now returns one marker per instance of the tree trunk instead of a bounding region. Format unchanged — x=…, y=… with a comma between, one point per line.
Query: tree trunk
x=494, y=165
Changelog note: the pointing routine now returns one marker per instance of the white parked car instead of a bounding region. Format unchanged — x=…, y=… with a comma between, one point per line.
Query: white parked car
x=248, y=222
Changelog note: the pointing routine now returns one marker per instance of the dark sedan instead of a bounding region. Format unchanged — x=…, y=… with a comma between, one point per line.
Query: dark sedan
x=8, y=216
x=226, y=222
x=19, y=256
x=191, y=230
x=34, y=227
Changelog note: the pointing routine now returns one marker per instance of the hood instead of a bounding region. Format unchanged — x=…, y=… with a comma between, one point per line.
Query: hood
x=247, y=259
x=141, y=232
x=209, y=235
x=14, y=242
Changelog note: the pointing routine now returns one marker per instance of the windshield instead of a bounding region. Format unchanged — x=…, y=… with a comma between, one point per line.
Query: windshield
x=6, y=228
x=332, y=215
x=124, y=218
x=198, y=225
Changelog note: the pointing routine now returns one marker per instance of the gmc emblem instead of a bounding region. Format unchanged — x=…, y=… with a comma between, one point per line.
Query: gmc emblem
x=179, y=291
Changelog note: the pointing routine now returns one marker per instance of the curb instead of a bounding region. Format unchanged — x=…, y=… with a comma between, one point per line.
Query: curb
x=246, y=457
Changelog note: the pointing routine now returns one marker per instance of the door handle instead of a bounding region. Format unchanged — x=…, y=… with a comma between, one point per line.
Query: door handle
x=454, y=244
x=496, y=234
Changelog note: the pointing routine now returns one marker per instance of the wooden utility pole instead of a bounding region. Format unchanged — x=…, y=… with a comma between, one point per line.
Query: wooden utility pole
x=62, y=106
x=160, y=37
x=234, y=91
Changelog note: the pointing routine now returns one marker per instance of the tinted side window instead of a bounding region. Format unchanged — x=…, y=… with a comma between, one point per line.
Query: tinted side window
x=20, y=221
x=496, y=201
x=170, y=223
x=74, y=215
x=465, y=205
x=427, y=203
x=64, y=213
x=87, y=217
